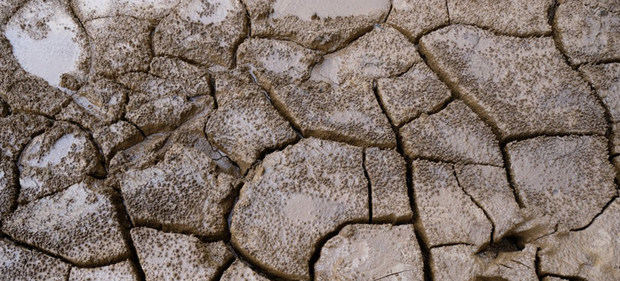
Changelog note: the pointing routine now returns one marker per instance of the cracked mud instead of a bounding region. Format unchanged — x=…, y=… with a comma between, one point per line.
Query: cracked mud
x=309, y=140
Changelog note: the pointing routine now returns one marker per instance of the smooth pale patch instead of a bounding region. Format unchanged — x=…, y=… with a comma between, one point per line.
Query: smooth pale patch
x=61, y=149
x=46, y=40
x=306, y=9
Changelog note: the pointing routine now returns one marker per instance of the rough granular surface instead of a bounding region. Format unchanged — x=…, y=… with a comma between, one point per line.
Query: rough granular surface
x=349, y=140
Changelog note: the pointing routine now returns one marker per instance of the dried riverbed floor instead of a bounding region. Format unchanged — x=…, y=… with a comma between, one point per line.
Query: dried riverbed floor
x=309, y=140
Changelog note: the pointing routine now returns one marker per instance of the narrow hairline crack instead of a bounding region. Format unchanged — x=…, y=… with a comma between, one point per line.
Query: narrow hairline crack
x=473, y=200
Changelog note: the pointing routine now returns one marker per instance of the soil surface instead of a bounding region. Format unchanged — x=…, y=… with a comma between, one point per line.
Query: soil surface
x=309, y=140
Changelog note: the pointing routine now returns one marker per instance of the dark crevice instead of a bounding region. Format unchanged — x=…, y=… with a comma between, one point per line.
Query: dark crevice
x=127, y=225
x=280, y=108
x=387, y=15
x=58, y=257
x=473, y=200
x=426, y=253
x=524, y=137
x=598, y=214
x=233, y=248
x=435, y=110
x=248, y=33
x=569, y=278
x=509, y=176
x=237, y=253
x=369, y=185
x=439, y=160
x=18, y=185
x=481, y=114
x=451, y=244
x=448, y=11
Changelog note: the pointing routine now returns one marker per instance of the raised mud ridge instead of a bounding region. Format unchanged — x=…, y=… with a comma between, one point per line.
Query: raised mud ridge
x=309, y=140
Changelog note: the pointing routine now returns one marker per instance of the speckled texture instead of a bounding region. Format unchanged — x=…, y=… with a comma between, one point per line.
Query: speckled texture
x=322, y=25
x=447, y=214
x=415, y=17
x=522, y=85
x=371, y=252
x=588, y=31
x=189, y=178
x=415, y=92
x=238, y=271
x=309, y=139
x=382, y=52
x=462, y=263
x=170, y=256
x=21, y=264
x=246, y=124
x=120, y=44
x=56, y=159
x=605, y=78
x=8, y=187
x=122, y=271
x=79, y=224
x=551, y=174
x=348, y=113
x=387, y=172
x=488, y=186
x=455, y=134
x=573, y=253
x=205, y=32
x=293, y=199
x=513, y=17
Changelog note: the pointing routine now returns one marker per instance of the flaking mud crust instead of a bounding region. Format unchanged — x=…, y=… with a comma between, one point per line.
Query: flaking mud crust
x=309, y=140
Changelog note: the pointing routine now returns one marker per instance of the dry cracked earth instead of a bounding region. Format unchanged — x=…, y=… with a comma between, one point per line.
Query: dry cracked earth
x=309, y=140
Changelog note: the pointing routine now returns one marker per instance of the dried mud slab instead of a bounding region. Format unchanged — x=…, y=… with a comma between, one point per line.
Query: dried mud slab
x=323, y=25
x=455, y=134
x=122, y=271
x=245, y=124
x=588, y=31
x=62, y=156
x=489, y=188
x=167, y=96
x=522, y=85
x=552, y=174
x=382, y=52
x=294, y=198
x=462, y=263
x=447, y=214
x=16, y=130
x=119, y=44
x=371, y=252
x=21, y=264
x=515, y=17
x=35, y=96
x=387, y=172
x=276, y=62
x=79, y=224
x=184, y=192
x=589, y=254
x=606, y=80
x=170, y=256
x=415, y=17
x=48, y=29
x=205, y=32
x=8, y=187
x=102, y=98
x=116, y=137
x=239, y=271
x=348, y=113
x=417, y=91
